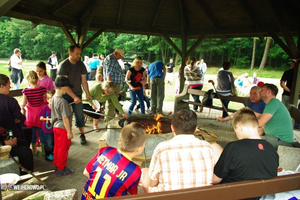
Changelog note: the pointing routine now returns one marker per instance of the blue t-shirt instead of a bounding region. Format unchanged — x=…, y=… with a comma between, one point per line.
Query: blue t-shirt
x=94, y=63
x=155, y=70
x=257, y=107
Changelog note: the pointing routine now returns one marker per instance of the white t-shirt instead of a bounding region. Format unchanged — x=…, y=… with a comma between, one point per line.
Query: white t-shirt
x=14, y=60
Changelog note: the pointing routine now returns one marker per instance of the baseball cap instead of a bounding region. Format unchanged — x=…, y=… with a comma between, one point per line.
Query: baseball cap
x=53, y=52
x=120, y=51
x=94, y=54
x=62, y=81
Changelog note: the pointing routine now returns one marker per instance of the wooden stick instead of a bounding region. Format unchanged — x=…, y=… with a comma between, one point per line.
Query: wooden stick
x=28, y=176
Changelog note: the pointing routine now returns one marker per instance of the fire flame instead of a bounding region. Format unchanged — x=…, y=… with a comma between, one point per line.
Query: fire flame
x=155, y=128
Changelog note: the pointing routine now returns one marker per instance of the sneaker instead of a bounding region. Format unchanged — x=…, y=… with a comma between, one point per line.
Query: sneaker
x=82, y=139
x=49, y=158
x=64, y=172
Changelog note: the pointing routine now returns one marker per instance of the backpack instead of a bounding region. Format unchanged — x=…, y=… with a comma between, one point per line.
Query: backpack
x=208, y=98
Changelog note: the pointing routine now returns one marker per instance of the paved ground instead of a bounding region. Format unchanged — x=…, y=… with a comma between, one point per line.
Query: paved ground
x=80, y=155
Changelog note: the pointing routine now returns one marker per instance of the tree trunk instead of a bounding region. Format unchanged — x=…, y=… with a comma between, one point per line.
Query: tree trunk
x=265, y=56
x=253, y=53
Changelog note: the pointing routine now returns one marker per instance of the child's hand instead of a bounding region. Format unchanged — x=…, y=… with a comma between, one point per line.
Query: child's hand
x=41, y=118
x=70, y=135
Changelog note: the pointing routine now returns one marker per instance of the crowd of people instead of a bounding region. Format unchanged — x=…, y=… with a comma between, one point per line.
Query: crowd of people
x=182, y=162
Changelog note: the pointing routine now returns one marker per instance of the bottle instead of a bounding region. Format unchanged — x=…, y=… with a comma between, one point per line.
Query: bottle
x=10, y=135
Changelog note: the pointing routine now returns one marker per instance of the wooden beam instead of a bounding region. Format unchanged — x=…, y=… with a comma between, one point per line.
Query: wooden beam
x=87, y=22
x=92, y=38
x=120, y=7
x=262, y=38
x=226, y=191
x=281, y=44
x=157, y=11
x=6, y=5
x=173, y=45
x=195, y=45
x=60, y=5
x=248, y=10
x=208, y=12
x=67, y=33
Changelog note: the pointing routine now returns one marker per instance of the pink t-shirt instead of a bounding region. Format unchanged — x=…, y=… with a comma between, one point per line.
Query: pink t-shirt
x=47, y=83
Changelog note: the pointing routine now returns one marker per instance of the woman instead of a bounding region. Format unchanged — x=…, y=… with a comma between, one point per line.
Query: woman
x=225, y=84
x=101, y=92
x=12, y=119
x=193, y=76
x=135, y=79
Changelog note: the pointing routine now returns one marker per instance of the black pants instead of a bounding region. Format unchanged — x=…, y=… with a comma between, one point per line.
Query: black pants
x=53, y=74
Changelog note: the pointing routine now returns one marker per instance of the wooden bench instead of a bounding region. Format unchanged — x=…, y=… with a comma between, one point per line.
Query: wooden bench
x=182, y=100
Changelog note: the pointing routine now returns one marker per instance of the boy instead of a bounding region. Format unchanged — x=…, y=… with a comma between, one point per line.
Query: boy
x=111, y=171
x=62, y=122
x=249, y=158
x=182, y=162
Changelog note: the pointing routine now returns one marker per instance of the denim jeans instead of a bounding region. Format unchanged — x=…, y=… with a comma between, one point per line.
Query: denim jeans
x=17, y=85
x=196, y=97
x=225, y=102
x=49, y=140
x=77, y=109
x=40, y=132
x=133, y=95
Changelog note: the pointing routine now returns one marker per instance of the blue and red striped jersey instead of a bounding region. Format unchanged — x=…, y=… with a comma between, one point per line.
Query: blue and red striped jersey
x=112, y=173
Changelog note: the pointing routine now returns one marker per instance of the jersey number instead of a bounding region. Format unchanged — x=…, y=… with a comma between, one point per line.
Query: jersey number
x=104, y=186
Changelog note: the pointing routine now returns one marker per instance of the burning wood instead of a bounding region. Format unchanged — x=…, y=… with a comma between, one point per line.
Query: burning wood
x=155, y=128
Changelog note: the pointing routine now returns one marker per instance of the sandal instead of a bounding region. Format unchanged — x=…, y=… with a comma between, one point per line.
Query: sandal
x=96, y=128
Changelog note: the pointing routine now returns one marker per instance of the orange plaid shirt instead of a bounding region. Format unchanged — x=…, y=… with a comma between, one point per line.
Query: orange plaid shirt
x=182, y=162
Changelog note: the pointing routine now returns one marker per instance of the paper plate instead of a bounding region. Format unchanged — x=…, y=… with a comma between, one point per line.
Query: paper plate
x=9, y=178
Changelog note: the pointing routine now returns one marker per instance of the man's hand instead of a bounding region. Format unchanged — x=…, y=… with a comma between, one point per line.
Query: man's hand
x=88, y=97
x=70, y=135
x=136, y=88
x=125, y=115
x=77, y=100
x=221, y=119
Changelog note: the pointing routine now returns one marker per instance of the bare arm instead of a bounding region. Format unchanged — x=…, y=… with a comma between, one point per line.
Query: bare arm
x=23, y=104
x=68, y=127
x=85, y=87
x=152, y=183
x=216, y=179
x=282, y=84
x=128, y=74
x=264, y=118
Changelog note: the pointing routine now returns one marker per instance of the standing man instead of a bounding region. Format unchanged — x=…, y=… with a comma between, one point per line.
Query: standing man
x=112, y=71
x=203, y=68
x=170, y=67
x=16, y=68
x=156, y=80
x=275, y=121
x=101, y=59
x=286, y=83
x=94, y=64
x=52, y=61
x=74, y=69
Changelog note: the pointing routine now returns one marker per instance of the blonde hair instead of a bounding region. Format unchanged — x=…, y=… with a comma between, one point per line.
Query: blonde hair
x=32, y=77
x=99, y=74
x=139, y=58
x=50, y=94
x=245, y=117
x=132, y=136
x=108, y=86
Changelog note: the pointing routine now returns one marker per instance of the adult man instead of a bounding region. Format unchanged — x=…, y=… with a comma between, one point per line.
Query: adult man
x=101, y=59
x=94, y=65
x=286, y=83
x=52, y=61
x=203, y=68
x=112, y=71
x=249, y=158
x=182, y=162
x=156, y=80
x=170, y=67
x=74, y=69
x=256, y=104
x=16, y=68
x=275, y=121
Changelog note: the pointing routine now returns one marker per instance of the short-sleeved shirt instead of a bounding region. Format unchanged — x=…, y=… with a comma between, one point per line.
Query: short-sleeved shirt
x=111, y=173
x=257, y=107
x=74, y=72
x=247, y=159
x=170, y=67
x=288, y=77
x=155, y=70
x=224, y=80
x=14, y=60
x=46, y=82
x=59, y=110
x=47, y=125
x=280, y=125
x=182, y=162
x=35, y=96
x=111, y=67
x=136, y=77
x=94, y=63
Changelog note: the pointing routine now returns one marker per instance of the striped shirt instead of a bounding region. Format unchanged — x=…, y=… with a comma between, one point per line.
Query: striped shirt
x=182, y=162
x=35, y=96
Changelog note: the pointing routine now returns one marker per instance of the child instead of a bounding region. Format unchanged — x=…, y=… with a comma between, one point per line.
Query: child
x=249, y=158
x=33, y=99
x=111, y=171
x=45, y=116
x=44, y=79
x=62, y=122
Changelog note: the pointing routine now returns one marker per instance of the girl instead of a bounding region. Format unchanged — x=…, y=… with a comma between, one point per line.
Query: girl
x=44, y=80
x=33, y=99
x=135, y=80
x=45, y=117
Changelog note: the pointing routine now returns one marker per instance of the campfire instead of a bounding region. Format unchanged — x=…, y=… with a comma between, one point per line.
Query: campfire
x=153, y=125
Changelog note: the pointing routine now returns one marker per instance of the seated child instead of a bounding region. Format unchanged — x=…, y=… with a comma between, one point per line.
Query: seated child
x=111, y=172
x=249, y=158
